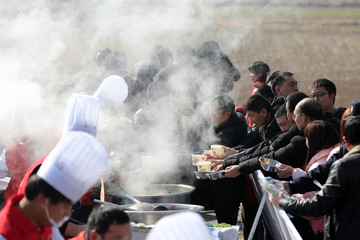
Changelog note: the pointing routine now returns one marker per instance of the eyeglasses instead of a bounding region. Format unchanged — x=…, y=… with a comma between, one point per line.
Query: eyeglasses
x=318, y=95
x=296, y=115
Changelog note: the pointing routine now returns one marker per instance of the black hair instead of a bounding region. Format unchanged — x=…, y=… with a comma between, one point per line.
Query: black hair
x=105, y=52
x=293, y=99
x=278, y=79
x=37, y=185
x=100, y=220
x=224, y=103
x=256, y=103
x=104, y=57
x=272, y=76
x=154, y=51
x=310, y=108
x=261, y=68
x=351, y=130
x=325, y=83
x=209, y=50
x=281, y=111
x=265, y=91
x=320, y=135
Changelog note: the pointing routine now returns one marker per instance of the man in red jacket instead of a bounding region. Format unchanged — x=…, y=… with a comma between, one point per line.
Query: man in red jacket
x=71, y=168
x=17, y=157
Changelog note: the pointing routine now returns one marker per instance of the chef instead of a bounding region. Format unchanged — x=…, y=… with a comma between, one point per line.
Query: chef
x=81, y=115
x=71, y=168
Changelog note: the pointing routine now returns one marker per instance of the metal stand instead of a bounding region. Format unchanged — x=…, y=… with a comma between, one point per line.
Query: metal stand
x=257, y=217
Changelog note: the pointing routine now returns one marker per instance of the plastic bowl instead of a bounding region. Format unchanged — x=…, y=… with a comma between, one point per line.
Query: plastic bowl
x=269, y=164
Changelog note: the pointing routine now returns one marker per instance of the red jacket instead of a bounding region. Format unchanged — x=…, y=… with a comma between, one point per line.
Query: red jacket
x=14, y=225
x=80, y=236
x=18, y=158
x=29, y=173
x=261, y=81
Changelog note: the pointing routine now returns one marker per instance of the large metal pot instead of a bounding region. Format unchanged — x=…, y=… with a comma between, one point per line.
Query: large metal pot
x=151, y=217
x=154, y=193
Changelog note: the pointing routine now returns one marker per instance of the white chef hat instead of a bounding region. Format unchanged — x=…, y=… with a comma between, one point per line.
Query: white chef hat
x=112, y=91
x=82, y=113
x=184, y=225
x=75, y=164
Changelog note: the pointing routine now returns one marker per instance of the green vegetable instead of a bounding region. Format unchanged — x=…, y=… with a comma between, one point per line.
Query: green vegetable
x=220, y=225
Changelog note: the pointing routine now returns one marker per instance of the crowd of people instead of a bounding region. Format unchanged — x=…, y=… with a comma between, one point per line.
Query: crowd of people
x=305, y=131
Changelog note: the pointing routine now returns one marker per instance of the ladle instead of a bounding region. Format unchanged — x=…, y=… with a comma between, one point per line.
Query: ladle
x=142, y=206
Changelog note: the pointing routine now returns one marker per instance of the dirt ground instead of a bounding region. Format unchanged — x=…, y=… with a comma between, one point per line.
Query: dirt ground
x=311, y=49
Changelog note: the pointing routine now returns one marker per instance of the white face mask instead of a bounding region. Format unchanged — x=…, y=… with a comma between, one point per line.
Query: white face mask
x=57, y=224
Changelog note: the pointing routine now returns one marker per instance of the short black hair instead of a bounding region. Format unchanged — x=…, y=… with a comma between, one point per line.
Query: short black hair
x=104, y=56
x=224, y=103
x=325, y=83
x=37, y=185
x=281, y=111
x=278, y=79
x=272, y=76
x=101, y=218
x=293, y=99
x=209, y=50
x=260, y=67
x=351, y=131
x=310, y=108
x=265, y=91
x=154, y=51
x=256, y=103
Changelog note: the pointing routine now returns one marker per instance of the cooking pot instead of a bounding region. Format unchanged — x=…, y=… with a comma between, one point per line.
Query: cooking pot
x=151, y=217
x=154, y=193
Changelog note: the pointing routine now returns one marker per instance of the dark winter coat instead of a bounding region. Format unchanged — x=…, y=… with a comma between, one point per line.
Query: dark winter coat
x=281, y=141
x=231, y=132
x=293, y=154
x=339, y=199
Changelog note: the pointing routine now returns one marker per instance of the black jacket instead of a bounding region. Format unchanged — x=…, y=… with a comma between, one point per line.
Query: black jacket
x=263, y=148
x=293, y=154
x=339, y=199
x=305, y=183
x=264, y=135
x=231, y=132
x=335, y=118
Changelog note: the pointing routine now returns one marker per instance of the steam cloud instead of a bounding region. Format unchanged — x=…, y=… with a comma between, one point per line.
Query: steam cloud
x=54, y=43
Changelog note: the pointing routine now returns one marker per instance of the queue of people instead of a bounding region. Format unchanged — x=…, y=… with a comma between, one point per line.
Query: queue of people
x=51, y=196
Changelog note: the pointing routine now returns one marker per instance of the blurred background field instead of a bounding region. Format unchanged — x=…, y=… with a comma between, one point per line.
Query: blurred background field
x=55, y=42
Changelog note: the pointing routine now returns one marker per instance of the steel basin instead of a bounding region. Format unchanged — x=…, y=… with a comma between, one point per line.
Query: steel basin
x=151, y=217
x=154, y=193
